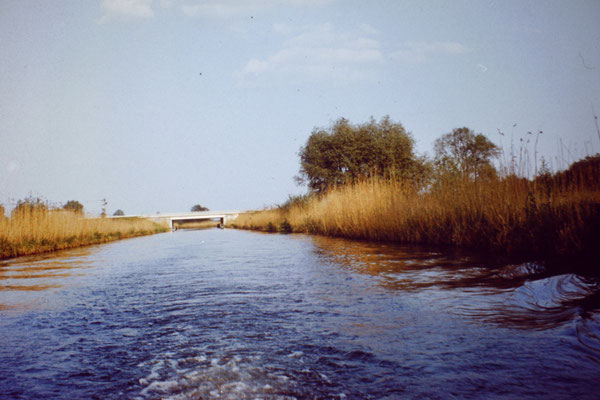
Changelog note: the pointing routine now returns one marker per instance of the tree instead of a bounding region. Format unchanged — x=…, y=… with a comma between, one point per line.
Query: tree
x=198, y=207
x=465, y=153
x=73, y=206
x=29, y=205
x=119, y=213
x=346, y=152
x=582, y=173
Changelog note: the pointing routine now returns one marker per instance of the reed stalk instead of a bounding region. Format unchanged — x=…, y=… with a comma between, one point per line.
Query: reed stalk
x=39, y=230
x=559, y=217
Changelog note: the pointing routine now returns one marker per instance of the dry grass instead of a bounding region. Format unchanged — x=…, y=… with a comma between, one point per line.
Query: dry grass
x=510, y=216
x=39, y=230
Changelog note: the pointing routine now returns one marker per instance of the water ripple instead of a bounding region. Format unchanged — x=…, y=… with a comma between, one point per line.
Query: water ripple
x=237, y=315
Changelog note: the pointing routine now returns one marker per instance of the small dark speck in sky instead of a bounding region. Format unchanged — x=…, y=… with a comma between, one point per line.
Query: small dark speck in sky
x=583, y=62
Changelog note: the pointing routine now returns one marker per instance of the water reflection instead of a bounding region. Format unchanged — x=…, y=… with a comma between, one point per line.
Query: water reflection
x=523, y=295
x=38, y=274
x=540, y=304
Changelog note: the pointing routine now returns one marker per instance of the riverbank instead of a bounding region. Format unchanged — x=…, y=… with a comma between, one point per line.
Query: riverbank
x=41, y=230
x=558, y=216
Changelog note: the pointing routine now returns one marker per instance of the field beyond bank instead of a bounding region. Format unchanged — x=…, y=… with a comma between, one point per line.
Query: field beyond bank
x=552, y=216
x=39, y=230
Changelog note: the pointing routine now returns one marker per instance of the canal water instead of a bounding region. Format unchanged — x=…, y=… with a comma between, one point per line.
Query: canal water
x=225, y=314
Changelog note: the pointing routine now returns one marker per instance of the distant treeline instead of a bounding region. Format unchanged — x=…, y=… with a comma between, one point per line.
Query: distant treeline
x=346, y=153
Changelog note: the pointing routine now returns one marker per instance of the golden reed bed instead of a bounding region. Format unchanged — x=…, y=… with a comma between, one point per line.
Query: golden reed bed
x=510, y=216
x=39, y=230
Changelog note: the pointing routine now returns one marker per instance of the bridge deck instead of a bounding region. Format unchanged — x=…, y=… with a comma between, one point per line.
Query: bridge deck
x=198, y=215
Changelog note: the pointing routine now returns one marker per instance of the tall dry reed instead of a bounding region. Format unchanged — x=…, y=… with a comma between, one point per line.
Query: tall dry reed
x=511, y=215
x=38, y=230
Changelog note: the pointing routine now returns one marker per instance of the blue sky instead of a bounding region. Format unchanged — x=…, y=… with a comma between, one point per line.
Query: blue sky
x=160, y=105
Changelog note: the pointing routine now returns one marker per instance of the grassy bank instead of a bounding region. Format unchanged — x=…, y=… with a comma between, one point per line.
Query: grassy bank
x=38, y=230
x=552, y=216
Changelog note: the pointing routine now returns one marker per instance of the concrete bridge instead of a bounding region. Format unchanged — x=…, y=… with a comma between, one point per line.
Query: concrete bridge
x=171, y=218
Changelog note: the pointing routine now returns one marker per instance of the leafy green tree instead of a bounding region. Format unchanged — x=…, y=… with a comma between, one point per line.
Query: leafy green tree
x=198, y=207
x=347, y=152
x=119, y=213
x=465, y=153
x=73, y=206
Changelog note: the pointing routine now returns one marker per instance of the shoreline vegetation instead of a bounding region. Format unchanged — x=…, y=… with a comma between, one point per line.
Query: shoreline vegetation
x=34, y=229
x=554, y=215
x=194, y=224
x=511, y=216
x=366, y=182
x=551, y=217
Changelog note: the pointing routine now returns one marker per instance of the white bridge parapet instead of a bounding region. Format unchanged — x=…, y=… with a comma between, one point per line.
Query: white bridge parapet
x=223, y=216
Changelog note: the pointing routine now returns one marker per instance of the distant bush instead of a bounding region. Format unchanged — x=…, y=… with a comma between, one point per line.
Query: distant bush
x=28, y=206
x=583, y=173
x=296, y=201
x=271, y=227
x=73, y=206
x=198, y=207
x=119, y=213
x=285, y=227
x=465, y=153
x=346, y=153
